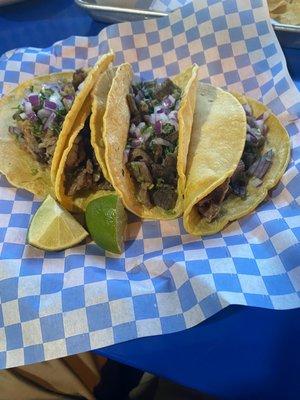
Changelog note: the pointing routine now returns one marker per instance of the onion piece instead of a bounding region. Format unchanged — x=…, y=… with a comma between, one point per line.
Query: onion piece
x=169, y=101
x=56, y=98
x=260, y=167
x=134, y=143
x=158, y=110
x=173, y=119
x=248, y=109
x=22, y=116
x=27, y=107
x=80, y=87
x=134, y=131
x=32, y=116
x=43, y=114
x=50, y=105
x=158, y=127
x=158, y=117
x=50, y=121
x=264, y=116
x=67, y=103
x=174, y=115
x=52, y=86
x=141, y=125
x=161, y=141
x=259, y=123
x=34, y=99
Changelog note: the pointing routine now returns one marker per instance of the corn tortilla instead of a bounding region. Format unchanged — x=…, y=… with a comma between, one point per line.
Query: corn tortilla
x=70, y=120
x=115, y=132
x=217, y=143
x=16, y=163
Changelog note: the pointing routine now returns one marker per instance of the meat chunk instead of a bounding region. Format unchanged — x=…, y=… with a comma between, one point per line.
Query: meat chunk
x=77, y=153
x=143, y=195
x=48, y=143
x=136, y=115
x=210, y=206
x=83, y=173
x=238, y=181
x=165, y=197
x=68, y=89
x=140, y=171
x=31, y=142
x=139, y=155
x=165, y=88
x=82, y=180
x=78, y=77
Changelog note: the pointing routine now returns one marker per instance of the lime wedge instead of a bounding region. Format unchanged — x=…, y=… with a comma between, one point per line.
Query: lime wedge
x=106, y=221
x=53, y=228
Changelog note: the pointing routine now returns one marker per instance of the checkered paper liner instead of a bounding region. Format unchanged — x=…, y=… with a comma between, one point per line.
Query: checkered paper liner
x=57, y=304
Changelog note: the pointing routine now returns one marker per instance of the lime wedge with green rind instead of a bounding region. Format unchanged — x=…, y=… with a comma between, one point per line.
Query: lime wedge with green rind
x=106, y=221
x=53, y=228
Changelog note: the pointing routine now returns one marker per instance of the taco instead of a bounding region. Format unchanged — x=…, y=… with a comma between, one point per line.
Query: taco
x=238, y=151
x=146, y=134
x=36, y=120
x=82, y=174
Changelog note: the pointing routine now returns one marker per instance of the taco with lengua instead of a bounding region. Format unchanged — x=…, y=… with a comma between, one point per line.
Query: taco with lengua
x=36, y=121
x=82, y=174
x=146, y=134
x=238, y=152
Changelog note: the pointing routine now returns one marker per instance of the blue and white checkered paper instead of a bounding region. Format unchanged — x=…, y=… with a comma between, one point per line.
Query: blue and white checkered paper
x=53, y=305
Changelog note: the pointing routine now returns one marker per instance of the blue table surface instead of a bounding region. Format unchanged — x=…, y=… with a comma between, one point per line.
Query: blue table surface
x=240, y=353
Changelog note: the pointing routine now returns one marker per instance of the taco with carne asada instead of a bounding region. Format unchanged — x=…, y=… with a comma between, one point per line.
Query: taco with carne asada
x=82, y=174
x=36, y=121
x=238, y=151
x=146, y=134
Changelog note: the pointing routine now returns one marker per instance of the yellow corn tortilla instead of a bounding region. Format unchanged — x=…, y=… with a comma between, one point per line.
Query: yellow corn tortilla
x=99, y=100
x=70, y=120
x=115, y=132
x=78, y=203
x=18, y=165
x=218, y=136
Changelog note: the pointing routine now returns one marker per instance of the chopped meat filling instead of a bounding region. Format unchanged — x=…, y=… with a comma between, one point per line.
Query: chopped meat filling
x=210, y=206
x=40, y=116
x=83, y=173
x=151, y=150
x=252, y=164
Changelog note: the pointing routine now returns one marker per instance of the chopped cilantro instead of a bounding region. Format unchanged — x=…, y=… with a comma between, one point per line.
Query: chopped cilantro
x=46, y=93
x=148, y=129
x=37, y=128
x=168, y=129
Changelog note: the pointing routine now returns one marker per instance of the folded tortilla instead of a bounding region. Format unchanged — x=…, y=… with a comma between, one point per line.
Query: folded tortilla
x=93, y=109
x=116, y=123
x=70, y=120
x=16, y=163
x=217, y=143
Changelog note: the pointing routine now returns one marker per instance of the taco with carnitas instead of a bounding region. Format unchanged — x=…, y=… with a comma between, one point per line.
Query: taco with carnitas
x=82, y=175
x=146, y=134
x=36, y=120
x=238, y=151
